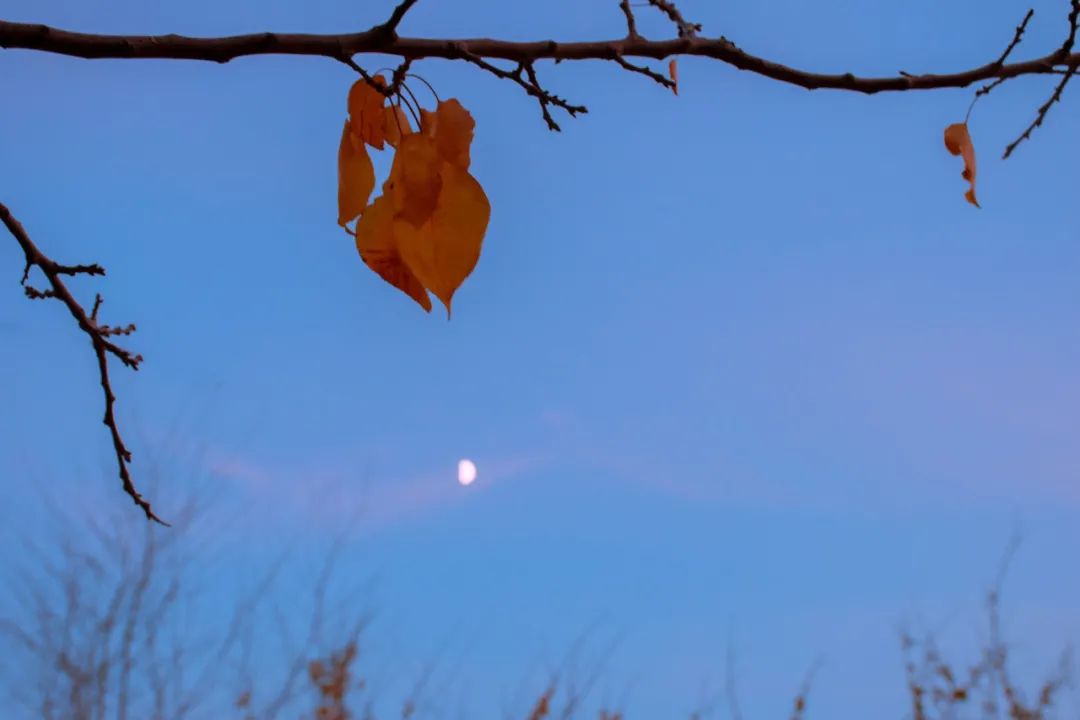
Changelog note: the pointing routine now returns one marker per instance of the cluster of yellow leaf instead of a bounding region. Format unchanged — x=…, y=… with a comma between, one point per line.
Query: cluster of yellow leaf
x=958, y=142
x=425, y=231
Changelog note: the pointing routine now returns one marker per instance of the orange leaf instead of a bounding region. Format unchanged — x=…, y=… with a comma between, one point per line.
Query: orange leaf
x=366, y=116
x=356, y=176
x=415, y=180
x=378, y=248
x=958, y=142
x=428, y=122
x=453, y=132
x=426, y=230
x=443, y=251
x=673, y=71
x=397, y=124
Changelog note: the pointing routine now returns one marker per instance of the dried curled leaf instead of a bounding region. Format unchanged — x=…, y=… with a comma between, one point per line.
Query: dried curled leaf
x=366, y=115
x=397, y=125
x=958, y=142
x=673, y=73
x=444, y=250
x=378, y=248
x=356, y=176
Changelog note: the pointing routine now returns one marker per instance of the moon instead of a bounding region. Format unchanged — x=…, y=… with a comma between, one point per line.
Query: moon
x=466, y=471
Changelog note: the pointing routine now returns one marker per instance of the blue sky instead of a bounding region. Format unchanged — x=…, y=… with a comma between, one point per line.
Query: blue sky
x=738, y=367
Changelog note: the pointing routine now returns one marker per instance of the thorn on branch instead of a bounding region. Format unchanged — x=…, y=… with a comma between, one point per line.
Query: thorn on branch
x=99, y=338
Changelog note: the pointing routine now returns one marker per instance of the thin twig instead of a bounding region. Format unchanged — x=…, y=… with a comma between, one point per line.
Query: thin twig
x=731, y=688
x=1018, y=35
x=631, y=21
x=525, y=76
x=647, y=72
x=1040, y=115
x=99, y=338
x=798, y=710
x=1064, y=52
x=391, y=25
x=685, y=29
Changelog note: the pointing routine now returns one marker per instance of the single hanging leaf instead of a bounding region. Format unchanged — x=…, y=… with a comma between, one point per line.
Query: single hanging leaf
x=356, y=176
x=453, y=132
x=366, y=115
x=958, y=142
x=673, y=73
x=378, y=248
x=443, y=251
x=415, y=179
x=397, y=124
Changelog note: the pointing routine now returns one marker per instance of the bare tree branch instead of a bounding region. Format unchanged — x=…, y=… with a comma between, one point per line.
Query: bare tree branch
x=1066, y=48
x=335, y=46
x=383, y=39
x=99, y=336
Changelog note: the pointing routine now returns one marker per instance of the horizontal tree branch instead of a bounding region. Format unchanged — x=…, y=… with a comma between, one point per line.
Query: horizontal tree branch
x=379, y=40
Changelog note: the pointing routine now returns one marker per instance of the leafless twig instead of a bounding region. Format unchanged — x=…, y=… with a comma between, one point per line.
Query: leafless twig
x=1066, y=51
x=99, y=337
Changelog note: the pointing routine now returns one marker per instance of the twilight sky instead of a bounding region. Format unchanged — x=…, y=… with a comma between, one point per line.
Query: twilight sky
x=737, y=368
